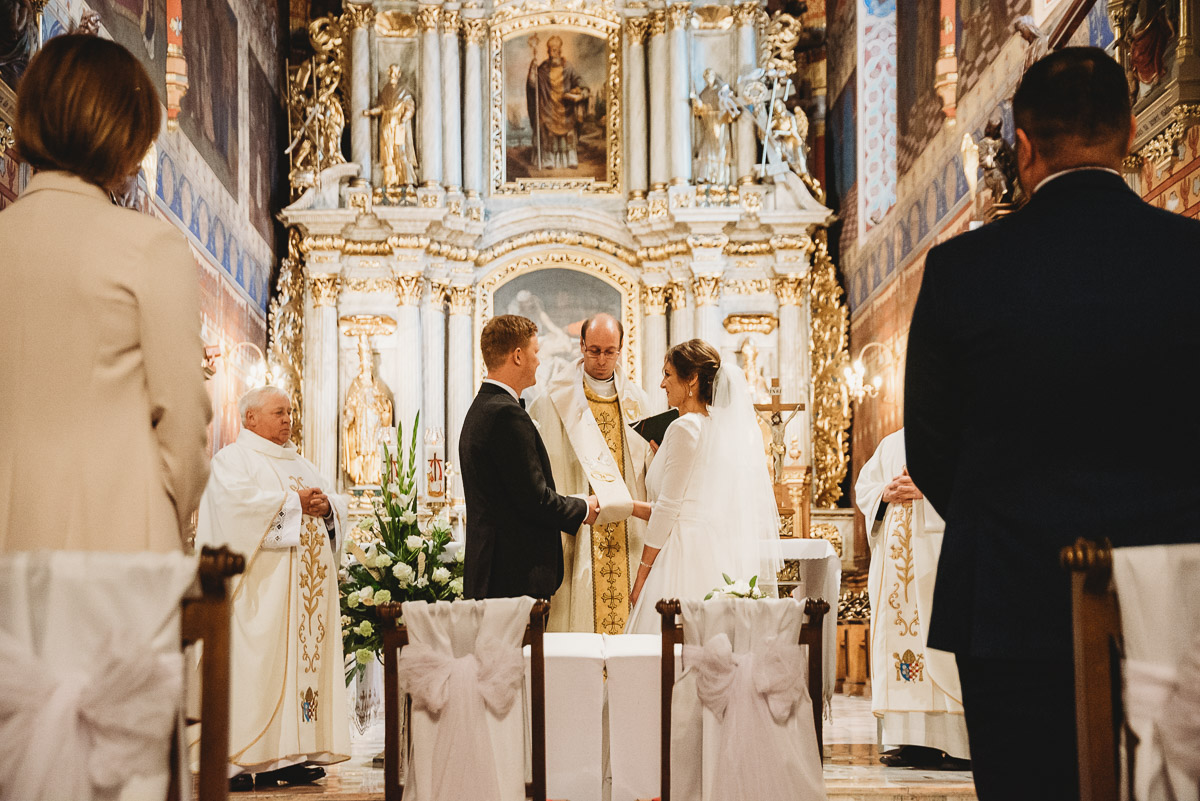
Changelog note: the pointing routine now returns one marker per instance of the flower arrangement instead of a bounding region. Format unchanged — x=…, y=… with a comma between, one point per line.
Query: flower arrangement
x=738, y=589
x=389, y=558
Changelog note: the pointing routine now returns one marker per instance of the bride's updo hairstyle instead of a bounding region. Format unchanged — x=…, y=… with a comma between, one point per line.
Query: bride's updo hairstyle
x=696, y=358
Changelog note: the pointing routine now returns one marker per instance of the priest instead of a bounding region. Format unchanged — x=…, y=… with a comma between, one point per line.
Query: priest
x=583, y=416
x=914, y=688
x=288, y=706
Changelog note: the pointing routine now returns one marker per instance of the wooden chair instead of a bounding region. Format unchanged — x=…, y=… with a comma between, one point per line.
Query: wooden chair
x=672, y=635
x=395, y=637
x=206, y=619
x=1096, y=633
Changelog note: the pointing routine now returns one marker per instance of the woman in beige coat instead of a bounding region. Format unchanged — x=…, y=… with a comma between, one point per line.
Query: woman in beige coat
x=103, y=411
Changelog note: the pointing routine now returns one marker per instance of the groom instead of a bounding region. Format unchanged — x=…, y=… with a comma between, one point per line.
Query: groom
x=514, y=516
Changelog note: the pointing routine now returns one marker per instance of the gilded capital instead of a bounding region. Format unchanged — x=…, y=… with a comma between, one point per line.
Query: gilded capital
x=450, y=22
x=790, y=290
x=428, y=18
x=359, y=15
x=654, y=299
x=658, y=22
x=439, y=293
x=460, y=300
x=745, y=14
x=324, y=289
x=677, y=15
x=476, y=30
x=408, y=289
x=677, y=296
x=6, y=137
x=707, y=289
x=635, y=29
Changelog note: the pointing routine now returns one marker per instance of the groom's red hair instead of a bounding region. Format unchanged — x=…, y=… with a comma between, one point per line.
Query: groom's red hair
x=504, y=334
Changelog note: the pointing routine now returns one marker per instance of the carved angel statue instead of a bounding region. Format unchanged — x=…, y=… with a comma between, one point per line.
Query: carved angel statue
x=315, y=114
x=715, y=110
x=789, y=132
x=970, y=163
x=999, y=164
x=1039, y=42
x=395, y=108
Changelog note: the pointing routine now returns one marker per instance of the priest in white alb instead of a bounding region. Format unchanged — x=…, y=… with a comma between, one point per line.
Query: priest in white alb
x=584, y=415
x=288, y=692
x=914, y=688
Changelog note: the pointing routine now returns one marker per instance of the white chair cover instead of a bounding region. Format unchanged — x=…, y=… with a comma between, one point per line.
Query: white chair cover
x=741, y=728
x=1158, y=590
x=91, y=673
x=820, y=577
x=574, y=715
x=633, y=663
x=464, y=668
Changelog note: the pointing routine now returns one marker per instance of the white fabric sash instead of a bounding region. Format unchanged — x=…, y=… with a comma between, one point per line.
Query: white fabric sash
x=68, y=732
x=1166, y=704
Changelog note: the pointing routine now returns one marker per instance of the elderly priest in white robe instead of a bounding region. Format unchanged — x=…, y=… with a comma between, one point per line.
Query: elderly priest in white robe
x=288, y=692
x=583, y=416
x=914, y=688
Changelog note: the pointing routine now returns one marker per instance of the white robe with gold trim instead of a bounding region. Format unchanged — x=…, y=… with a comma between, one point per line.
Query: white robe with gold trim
x=288, y=692
x=914, y=688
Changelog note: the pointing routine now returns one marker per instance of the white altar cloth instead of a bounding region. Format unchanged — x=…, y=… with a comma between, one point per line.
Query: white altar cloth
x=820, y=577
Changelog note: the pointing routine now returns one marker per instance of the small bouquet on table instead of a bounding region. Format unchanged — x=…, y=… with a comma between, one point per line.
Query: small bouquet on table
x=392, y=556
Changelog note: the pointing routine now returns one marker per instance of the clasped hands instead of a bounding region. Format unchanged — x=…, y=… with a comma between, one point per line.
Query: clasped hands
x=313, y=502
x=900, y=489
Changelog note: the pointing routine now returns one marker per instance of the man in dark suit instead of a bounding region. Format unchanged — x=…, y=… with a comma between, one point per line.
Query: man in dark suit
x=514, y=516
x=1043, y=403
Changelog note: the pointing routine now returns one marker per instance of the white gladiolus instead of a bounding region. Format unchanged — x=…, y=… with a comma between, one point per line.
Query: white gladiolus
x=409, y=517
x=422, y=582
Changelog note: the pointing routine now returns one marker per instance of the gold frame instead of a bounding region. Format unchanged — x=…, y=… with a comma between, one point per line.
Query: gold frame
x=510, y=22
x=625, y=283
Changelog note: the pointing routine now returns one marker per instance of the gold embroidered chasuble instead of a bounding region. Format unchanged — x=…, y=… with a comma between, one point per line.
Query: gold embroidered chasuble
x=610, y=542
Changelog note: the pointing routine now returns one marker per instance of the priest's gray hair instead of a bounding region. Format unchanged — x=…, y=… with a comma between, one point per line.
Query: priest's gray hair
x=256, y=398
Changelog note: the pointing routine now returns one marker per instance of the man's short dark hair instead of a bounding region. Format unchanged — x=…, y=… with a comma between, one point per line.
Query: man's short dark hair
x=502, y=335
x=1077, y=95
x=588, y=322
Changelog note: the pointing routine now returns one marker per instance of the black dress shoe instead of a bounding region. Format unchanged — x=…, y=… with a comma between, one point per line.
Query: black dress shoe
x=292, y=774
x=241, y=783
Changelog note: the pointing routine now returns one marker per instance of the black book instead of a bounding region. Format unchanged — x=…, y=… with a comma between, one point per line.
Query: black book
x=653, y=429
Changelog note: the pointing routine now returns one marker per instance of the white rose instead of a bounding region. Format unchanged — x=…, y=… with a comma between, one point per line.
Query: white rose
x=415, y=541
x=422, y=582
x=383, y=560
x=403, y=573
x=441, y=575
x=456, y=586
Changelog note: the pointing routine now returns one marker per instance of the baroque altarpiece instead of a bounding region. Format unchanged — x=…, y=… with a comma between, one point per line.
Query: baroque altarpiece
x=552, y=158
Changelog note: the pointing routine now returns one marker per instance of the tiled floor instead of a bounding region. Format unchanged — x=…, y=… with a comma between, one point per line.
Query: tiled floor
x=852, y=768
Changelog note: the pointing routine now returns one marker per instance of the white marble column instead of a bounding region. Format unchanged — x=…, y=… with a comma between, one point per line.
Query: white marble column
x=707, y=291
x=361, y=17
x=681, y=315
x=654, y=337
x=433, y=340
x=680, y=88
x=746, y=136
x=794, y=365
x=406, y=380
x=660, y=166
x=430, y=111
x=460, y=379
x=474, y=119
x=636, y=122
x=451, y=103
x=320, y=384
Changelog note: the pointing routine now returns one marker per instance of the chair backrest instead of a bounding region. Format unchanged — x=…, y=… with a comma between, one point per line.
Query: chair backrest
x=396, y=636
x=673, y=634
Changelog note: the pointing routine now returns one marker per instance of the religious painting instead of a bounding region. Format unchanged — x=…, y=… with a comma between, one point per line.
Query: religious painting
x=208, y=113
x=141, y=26
x=919, y=114
x=983, y=27
x=1150, y=50
x=556, y=104
x=265, y=110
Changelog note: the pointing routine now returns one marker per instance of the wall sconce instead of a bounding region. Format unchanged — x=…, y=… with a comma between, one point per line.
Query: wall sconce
x=259, y=375
x=857, y=384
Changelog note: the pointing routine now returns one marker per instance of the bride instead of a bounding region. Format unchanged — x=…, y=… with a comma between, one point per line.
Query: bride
x=713, y=511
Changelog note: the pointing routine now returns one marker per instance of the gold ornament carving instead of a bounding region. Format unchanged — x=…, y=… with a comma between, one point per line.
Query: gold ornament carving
x=658, y=208
x=784, y=242
x=658, y=22
x=285, y=329
x=710, y=241
x=745, y=14
x=475, y=30
x=460, y=299
x=395, y=24
x=707, y=289
x=409, y=289
x=1161, y=150
x=358, y=16
x=556, y=237
x=654, y=299
x=748, y=249
x=712, y=18
x=682, y=200
x=790, y=290
x=677, y=15
x=439, y=293
x=324, y=289
x=6, y=137
x=829, y=350
x=829, y=532
x=677, y=296
x=368, y=285
x=635, y=30
x=637, y=212
x=316, y=105
x=783, y=36
x=1132, y=163
x=450, y=22
x=428, y=18
x=751, y=323
x=747, y=286
x=429, y=201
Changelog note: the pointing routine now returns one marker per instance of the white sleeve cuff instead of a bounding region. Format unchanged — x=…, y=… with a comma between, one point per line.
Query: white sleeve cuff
x=285, y=527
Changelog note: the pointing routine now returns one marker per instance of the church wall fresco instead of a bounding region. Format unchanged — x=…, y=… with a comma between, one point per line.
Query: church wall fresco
x=209, y=111
x=919, y=113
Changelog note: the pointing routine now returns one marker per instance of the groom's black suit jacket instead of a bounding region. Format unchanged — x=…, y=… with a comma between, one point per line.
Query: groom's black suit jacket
x=514, y=516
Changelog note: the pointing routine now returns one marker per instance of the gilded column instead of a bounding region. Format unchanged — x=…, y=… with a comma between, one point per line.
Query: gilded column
x=460, y=383
x=637, y=126
x=474, y=120
x=428, y=17
x=320, y=375
x=707, y=291
x=745, y=15
x=405, y=382
x=654, y=336
x=433, y=340
x=794, y=365
x=660, y=168
x=451, y=103
x=680, y=124
x=681, y=317
x=360, y=18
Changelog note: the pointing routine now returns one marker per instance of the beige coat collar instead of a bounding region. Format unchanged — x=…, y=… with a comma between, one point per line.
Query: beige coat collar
x=58, y=181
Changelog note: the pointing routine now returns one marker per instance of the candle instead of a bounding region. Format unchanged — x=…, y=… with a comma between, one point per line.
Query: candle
x=435, y=463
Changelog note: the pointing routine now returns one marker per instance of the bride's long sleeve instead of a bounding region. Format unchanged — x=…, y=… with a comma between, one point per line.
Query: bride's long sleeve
x=678, y=454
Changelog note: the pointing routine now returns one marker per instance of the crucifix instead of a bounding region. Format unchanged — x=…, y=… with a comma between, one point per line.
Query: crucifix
x=772, y=413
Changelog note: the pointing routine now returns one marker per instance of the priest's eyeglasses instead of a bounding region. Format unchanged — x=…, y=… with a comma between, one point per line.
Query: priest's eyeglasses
x=596, y=353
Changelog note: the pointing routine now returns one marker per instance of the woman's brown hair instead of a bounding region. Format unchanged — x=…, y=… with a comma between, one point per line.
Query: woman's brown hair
x=86, y=106
x=696, y=358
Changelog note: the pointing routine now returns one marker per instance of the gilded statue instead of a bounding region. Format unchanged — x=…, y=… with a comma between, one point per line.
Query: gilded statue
x=395, y=108
x=715, y=109
x=367, y=412
x=789, y=131
x=316, y=117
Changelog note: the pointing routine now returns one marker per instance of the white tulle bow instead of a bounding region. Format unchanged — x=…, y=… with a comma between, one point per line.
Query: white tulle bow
x=69, y=732
x=456, y=691
x=1166, y=703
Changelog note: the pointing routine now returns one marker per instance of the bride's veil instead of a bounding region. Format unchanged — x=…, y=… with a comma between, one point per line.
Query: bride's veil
x=738, y=501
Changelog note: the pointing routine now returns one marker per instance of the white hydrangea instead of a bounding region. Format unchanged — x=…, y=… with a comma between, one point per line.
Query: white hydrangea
x=441, y=575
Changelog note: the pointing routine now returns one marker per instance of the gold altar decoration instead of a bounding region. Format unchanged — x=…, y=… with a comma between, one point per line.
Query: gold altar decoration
x=829, y=532
x=285, y=331
x=517, y=19
x=439, y=293
x=745, y=14
x=460, y=299
x=368, y=407
x=677, y=296
x=658, y=22
x=747, y=286
x=707, y=290
x=451, y=21
x=631, y=301
x=396, y=109
x=654, y=299
x=636, y=29
x=555, y=237
x=783, y=36
x=790, y=289
x=324, y=289
x=357, y=15
x=712, y=18
x=409, y=288
x=6, y=137
x=677, y=15
x=395, y=24
x=428, y=18
x=830, y=355
x=316, y=109
x=751, y=323
x=475, y=30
